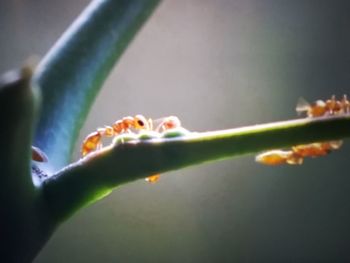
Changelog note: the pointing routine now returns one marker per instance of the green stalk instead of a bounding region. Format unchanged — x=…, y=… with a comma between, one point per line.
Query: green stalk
x=92, y=177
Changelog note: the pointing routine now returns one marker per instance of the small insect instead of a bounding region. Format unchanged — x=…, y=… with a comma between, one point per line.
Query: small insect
x=320, y=108
x=93, y=141
x=166, y=123
x=38, y=155
x=296, y=154
x=277, y=157
x=316, y=149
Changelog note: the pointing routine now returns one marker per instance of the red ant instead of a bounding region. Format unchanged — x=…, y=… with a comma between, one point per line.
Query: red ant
x=296, y=154
x=94, y=140
x=38, y=155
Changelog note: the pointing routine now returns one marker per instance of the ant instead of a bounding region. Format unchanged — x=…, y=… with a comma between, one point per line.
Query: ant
x=94, y=140
x=296, y=154
x=38, y=155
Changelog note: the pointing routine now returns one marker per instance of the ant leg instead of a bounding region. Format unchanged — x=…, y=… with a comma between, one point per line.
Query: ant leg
x=108, y=131
x=150, y=123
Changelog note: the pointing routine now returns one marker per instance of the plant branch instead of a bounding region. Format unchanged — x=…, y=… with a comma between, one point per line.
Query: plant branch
x=92, y=177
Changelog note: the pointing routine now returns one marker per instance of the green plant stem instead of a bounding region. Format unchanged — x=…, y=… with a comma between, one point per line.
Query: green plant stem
x=72, y=73
x=92, y=177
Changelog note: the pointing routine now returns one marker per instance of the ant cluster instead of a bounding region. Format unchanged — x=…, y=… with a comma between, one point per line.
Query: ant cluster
x=93, y=141
x=296, y=154
x=128, y=124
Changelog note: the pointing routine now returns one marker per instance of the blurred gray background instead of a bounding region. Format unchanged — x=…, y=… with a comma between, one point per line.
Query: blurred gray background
x=216, y=65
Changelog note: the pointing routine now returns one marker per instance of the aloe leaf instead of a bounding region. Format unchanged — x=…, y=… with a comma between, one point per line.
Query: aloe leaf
x=74, y=70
